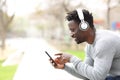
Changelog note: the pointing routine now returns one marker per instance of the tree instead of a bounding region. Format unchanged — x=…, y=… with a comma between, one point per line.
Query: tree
x=109, y=8
x=5, y=21
x=58, y=10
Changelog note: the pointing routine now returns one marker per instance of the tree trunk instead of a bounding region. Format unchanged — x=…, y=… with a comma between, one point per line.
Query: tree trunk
x=3, y=45
x=108, y=15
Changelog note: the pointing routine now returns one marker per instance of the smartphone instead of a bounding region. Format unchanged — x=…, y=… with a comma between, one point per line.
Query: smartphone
x=50, y=57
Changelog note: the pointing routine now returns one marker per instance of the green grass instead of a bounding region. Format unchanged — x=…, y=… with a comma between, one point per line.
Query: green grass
x=78, y=53
x=7, y=73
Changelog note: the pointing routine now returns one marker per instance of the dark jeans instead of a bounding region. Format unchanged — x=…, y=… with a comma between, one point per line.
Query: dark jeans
x=113, y=78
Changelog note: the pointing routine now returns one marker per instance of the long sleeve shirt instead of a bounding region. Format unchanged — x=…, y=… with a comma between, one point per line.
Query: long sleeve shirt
x=102, y=58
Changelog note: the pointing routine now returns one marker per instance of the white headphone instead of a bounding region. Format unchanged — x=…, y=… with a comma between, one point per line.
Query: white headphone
x=84, y=24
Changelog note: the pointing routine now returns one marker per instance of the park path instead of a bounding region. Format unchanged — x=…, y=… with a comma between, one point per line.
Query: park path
x=35, y=65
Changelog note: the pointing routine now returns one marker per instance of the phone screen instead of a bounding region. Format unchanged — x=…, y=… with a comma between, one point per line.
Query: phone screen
x=50, y=57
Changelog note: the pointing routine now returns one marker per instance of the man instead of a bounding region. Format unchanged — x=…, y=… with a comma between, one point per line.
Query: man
x=102, y=61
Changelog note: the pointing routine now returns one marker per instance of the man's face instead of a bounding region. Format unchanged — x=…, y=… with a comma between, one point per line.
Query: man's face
x=76, y=33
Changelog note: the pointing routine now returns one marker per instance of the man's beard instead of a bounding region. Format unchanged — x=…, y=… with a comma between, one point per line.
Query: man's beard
x=78, y=41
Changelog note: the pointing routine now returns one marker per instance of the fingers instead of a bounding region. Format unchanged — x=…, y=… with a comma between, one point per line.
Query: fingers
x=57, y=65
x=58, y=54
x=60, y=58
x=53, y=62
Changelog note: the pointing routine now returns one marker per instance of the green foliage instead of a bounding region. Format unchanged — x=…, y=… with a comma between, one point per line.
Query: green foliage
x=40, y=27
x=7, y=73
x=78, y=53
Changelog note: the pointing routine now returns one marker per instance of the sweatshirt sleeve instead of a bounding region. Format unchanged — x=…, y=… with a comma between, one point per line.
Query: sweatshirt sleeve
x=88, y=60
x=69, y=67
x=100, y=70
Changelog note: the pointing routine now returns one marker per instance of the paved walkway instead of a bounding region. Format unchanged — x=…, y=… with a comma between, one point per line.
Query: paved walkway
x=35, y=64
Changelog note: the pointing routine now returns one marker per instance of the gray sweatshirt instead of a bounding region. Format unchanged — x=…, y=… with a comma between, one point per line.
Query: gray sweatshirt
x=102, y=58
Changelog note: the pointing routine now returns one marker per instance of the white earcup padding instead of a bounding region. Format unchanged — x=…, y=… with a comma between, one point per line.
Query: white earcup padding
x=83, y=25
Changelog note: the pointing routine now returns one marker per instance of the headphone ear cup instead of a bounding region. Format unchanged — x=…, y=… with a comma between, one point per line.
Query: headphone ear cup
x=84, y=26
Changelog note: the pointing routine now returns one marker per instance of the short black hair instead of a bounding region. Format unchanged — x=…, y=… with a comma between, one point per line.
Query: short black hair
x=73, y=15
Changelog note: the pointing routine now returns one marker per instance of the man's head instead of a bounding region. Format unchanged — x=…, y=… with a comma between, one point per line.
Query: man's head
x=74, y=22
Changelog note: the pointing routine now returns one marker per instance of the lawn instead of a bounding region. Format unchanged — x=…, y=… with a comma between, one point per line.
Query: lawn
x=7, y=73
x=79, y=53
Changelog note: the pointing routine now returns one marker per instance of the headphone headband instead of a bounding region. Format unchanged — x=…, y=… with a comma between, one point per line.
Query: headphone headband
x=80, y=14
x=83, y=25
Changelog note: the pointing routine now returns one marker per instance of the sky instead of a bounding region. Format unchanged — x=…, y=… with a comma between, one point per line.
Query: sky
x=25, y=7
x=22, y=7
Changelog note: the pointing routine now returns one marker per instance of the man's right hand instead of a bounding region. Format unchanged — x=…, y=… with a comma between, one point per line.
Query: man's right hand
x=61, y=60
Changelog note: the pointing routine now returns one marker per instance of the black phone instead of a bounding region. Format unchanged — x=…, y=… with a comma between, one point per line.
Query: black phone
x=50, y=57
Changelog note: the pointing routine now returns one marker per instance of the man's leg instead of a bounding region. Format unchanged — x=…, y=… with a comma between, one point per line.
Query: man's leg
x=110, y=78
x=117, y=78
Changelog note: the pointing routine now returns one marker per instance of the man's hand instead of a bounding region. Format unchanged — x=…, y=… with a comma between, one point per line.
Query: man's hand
x=61, y=60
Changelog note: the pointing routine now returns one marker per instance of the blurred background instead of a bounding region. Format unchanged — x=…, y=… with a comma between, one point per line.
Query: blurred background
x=23, y=21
